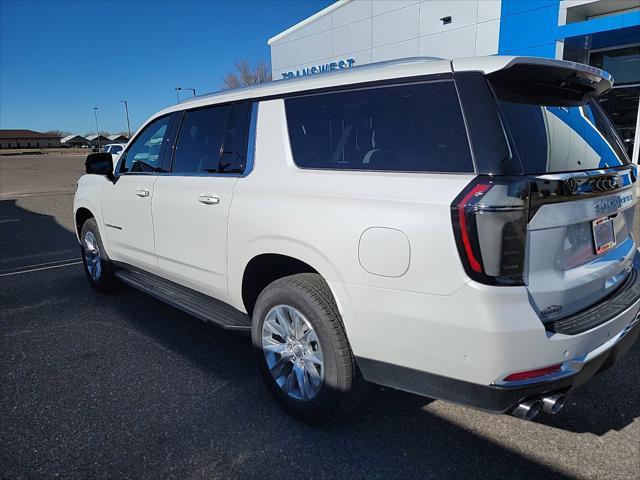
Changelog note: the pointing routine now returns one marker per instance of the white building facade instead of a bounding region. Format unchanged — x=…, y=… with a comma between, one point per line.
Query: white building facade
x=357, y=32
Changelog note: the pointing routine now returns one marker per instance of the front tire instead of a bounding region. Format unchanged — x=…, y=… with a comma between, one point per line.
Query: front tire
x=97, y=266
x=302, y=350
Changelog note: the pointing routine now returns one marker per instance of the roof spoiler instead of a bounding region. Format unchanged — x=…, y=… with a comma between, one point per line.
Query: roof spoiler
x=550, y=82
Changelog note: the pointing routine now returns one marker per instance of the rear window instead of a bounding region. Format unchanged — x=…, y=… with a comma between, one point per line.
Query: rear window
x=550, y=138
x=412, y=128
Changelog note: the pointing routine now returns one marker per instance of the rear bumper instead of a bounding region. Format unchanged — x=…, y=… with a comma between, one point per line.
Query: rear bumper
x=459, y=347
x=494, y=398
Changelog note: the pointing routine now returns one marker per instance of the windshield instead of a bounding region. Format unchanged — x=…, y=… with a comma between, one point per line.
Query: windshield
x=549, y=139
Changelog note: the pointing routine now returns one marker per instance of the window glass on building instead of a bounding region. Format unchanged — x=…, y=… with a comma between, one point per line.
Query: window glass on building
x=622, y=63
x=417, y=128
x=621, y=102
x=143, y=156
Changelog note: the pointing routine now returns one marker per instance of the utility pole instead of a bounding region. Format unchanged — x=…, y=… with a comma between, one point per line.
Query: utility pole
x=180, y=88
x=95, y=113
x=126, y=109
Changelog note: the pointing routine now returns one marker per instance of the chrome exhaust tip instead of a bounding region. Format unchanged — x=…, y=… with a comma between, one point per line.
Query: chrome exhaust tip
x=528, y=410
x=553, y=403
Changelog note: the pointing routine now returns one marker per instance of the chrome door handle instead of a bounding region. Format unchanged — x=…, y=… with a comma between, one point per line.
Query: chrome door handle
x=208, y=199
x=142, y=192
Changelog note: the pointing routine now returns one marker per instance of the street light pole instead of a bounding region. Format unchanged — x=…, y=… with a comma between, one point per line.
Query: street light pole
x=126, y=109
x=180, y=88
x=95, y=113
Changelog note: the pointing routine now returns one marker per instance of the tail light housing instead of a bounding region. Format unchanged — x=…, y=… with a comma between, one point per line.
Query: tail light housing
x=490, y=219
x=531, y=374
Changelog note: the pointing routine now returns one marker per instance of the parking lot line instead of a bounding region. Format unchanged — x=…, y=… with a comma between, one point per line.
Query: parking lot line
x=36, y=265
x=29, y=270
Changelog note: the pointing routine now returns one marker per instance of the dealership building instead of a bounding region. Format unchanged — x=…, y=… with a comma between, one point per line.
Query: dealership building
x=348, y=33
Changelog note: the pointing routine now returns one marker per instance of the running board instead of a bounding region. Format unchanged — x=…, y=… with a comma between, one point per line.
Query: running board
x=194, y=303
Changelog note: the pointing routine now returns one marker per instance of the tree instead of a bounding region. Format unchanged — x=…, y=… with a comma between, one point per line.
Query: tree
x=102, y=132
x=58, y=133
x=246, y=74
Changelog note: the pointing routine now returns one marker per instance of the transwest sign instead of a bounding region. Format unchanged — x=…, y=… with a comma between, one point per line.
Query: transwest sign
x=327, y=67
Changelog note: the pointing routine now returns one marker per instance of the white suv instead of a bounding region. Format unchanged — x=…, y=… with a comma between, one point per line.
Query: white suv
x=457, y=229
x=115, y=149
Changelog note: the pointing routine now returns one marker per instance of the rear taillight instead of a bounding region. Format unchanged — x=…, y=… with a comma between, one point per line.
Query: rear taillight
x=530, y=374
x=490, y=226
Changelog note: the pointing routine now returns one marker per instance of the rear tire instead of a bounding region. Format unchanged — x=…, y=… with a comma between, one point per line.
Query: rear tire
x=302, y=350
x=97, y=265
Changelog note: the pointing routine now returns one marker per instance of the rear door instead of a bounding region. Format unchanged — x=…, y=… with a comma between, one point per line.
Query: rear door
x=579, y=237
x=191, y=203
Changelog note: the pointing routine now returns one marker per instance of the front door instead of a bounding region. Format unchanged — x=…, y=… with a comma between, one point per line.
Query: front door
x=126, y=202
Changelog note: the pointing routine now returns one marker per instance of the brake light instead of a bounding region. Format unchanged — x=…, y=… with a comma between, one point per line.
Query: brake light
x=464, y=228
x=490, y=223
x=529, y=374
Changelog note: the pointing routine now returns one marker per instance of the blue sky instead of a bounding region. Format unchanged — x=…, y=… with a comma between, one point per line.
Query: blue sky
x=60, y=59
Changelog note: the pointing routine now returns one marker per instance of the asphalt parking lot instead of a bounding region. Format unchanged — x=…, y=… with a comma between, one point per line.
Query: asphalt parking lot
x=124, y=386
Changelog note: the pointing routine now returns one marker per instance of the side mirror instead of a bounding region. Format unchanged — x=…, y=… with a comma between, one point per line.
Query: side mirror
x=100, y=164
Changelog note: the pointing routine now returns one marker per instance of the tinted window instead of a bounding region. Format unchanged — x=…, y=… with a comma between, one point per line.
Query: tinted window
x=116, y=149
x=234, y=151
x=144, y=153
x=403, y=128
x=200, y=140
x=550, y=138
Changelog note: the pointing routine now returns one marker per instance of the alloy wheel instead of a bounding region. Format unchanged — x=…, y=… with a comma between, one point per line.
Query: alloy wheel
x=293, y=352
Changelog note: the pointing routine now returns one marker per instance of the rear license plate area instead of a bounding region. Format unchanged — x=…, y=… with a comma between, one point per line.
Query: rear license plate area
x=604, y=235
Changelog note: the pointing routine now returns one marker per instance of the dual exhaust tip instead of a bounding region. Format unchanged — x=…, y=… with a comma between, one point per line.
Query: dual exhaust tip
x=529, y=409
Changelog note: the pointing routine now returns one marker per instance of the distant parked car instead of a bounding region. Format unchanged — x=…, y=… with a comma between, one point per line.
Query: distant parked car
x=115, y=149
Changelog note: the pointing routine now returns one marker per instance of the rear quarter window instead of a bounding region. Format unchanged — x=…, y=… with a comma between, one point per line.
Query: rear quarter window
x=408, y=128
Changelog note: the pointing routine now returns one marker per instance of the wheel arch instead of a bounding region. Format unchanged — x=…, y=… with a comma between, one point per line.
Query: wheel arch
x=82, y=214
x=265, y=268
x=271, y=252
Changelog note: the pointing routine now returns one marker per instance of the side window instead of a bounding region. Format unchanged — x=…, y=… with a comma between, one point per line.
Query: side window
x=417, y=127
x=200, y=139
x=143, y=155
x=234, y=148
x=116, y=149
x=213, y=140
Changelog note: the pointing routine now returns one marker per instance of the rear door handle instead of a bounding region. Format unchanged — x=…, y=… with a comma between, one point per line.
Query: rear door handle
x=142, y=192
x=208, y=199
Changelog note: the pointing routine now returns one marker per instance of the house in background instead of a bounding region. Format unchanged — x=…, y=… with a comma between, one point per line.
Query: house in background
x=97, y=140
x=27, y=139
x=118, y=139
x=74, y=141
